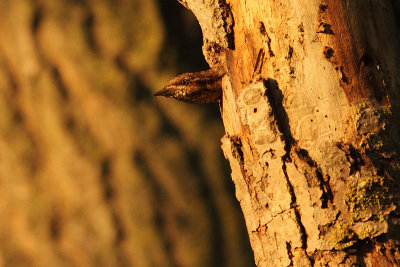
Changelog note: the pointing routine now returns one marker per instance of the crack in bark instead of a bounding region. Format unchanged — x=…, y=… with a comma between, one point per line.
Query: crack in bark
x=273, y=217
x=323, y=229
x=289, y=252
x=325, y=28
x=315, y=171
x=378, y=245
x=290, y=54
x=236, y=148
x=275, y=98
x=264, y=33
x=353, y=156
x=228, y=23
x=237, y=152
x=293, y=205
x=328, y=53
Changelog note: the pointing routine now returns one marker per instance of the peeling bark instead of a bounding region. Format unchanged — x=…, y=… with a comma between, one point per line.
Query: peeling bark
x=313, y=138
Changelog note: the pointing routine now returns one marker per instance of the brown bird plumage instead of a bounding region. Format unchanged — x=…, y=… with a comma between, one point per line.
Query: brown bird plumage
x=195, y=87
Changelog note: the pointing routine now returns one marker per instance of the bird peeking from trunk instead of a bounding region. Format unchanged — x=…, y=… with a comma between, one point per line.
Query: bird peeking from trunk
x=195, y=87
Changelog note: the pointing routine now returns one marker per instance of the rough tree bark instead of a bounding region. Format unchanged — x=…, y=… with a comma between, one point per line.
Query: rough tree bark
x=312, y=134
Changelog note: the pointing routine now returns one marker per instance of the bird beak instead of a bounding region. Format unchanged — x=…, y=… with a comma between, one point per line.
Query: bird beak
x=164, y=92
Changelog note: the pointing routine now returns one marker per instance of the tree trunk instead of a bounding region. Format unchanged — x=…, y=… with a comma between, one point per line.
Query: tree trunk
x=312, y=128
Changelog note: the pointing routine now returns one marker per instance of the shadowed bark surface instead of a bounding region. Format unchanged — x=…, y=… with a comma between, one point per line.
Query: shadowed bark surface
x=93, y=170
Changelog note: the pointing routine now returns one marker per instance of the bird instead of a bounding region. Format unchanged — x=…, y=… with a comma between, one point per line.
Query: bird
x=195, y=87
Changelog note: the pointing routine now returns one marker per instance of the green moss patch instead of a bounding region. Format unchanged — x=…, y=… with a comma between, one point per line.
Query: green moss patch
x=366, y=198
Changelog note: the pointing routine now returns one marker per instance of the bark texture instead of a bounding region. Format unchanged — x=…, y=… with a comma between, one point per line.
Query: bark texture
x=94, y=171
x=312, y=135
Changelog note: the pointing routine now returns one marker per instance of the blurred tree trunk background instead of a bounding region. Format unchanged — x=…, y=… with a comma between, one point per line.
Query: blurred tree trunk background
x=94, y=171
